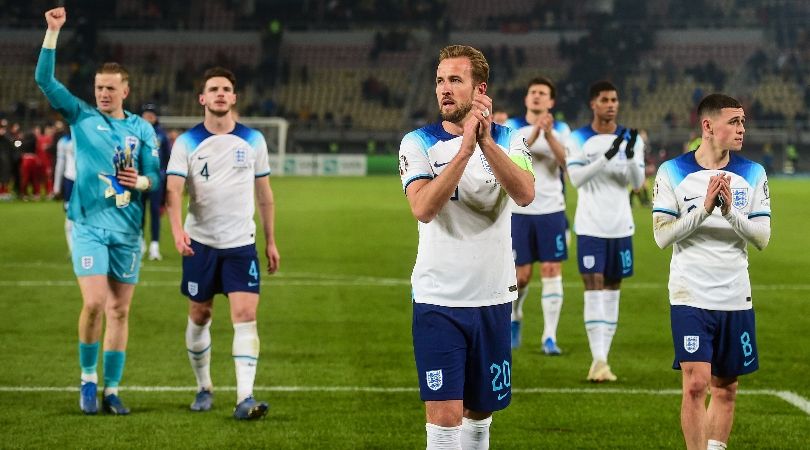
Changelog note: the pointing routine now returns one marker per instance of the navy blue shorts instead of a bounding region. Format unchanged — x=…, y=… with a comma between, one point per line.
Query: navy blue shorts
x=464, y=354
x=725, y=339
x=611, y=257
x=212, y=271
x=539, y=238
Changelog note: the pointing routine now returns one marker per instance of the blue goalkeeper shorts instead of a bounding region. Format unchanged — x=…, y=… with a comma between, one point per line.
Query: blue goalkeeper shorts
x=97, y=251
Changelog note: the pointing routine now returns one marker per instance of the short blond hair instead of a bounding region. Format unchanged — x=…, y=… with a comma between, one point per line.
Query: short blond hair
x=480, y=66
x=113, y=68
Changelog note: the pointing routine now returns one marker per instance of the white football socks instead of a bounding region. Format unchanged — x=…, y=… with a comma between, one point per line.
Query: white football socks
x=245, y=357
x=90, y=377
x=475, y=433
x=68, y=233
x=443, y=438
x=610, y=302
x=198, y=344
x=551, y=301
x=594, y=321
x=517, y=305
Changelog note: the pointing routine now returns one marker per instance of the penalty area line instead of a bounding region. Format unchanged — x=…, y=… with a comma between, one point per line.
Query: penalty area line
x=792, y=398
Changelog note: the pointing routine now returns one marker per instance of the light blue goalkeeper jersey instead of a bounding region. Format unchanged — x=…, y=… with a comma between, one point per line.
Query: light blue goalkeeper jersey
x=96, y=136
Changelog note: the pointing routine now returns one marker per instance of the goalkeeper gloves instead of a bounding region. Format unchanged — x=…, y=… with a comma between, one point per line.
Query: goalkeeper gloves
x=123, y=159
x=614, y=147
x=114, y=188
x=629, y=151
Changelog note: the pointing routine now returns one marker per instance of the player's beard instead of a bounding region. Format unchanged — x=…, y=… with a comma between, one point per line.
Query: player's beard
x=218, y=113
x=458, y=115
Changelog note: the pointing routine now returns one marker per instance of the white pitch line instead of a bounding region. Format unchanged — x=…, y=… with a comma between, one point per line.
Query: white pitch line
x=795, y=400
x=790, y=397
x=279, y=281
x=315, y=279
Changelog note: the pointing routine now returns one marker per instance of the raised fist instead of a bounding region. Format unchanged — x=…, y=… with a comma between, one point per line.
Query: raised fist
x=56, y=18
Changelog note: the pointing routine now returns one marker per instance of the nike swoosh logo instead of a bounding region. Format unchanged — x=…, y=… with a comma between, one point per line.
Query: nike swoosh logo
x=501, y=396
x=691, y=198
x=102, y=128
x=748, y=363
x=557, y=255
x=251, y=284
x=202, y=157
x=127, y=275
x=437, y=164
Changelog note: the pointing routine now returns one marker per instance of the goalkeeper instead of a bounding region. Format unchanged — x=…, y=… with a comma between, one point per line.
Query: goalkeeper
x=116, y=160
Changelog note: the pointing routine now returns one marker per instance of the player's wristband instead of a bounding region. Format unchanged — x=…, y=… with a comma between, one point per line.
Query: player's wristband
x=50, y=39
x=142, y=183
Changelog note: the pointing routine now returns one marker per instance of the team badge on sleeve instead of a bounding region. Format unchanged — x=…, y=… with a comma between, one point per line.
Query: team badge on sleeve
x=691, y=343
x=403, y=165
x=739, y=197
x=434, y=379
x=486, y=165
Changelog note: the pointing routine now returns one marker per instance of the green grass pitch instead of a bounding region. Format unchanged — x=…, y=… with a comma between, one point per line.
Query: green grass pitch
x=337, y=365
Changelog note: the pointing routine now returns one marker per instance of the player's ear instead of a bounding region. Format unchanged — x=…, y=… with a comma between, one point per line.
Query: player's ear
x=706, y=125
x=481, y=88
x=201, y=99
x=125, y=90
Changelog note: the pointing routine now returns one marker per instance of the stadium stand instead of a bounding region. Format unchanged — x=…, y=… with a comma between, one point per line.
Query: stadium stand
x=353, y=71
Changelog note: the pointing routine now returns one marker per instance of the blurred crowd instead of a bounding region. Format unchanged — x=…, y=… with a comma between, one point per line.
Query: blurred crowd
x=27, y=159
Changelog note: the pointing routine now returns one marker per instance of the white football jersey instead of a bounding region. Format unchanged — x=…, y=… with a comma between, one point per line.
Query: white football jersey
x=709, y=267
x=603, y=204
x=548, y=186
x=220, y=172
x=464, y=258
x=65, y=158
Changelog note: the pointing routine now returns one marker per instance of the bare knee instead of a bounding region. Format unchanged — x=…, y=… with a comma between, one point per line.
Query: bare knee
x=200, y=312
x=117, y=311
x=550, y=269
x=695, y=382
x=446, y=413
x=593, y=281
x=724, y=391
x=695, y=388
x=93, y=309
x=523, y=275
x=243, y=306
x=477, y=415
x=243, y=314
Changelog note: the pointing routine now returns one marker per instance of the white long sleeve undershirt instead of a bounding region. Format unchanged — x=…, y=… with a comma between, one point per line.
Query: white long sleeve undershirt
x=668, y=229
